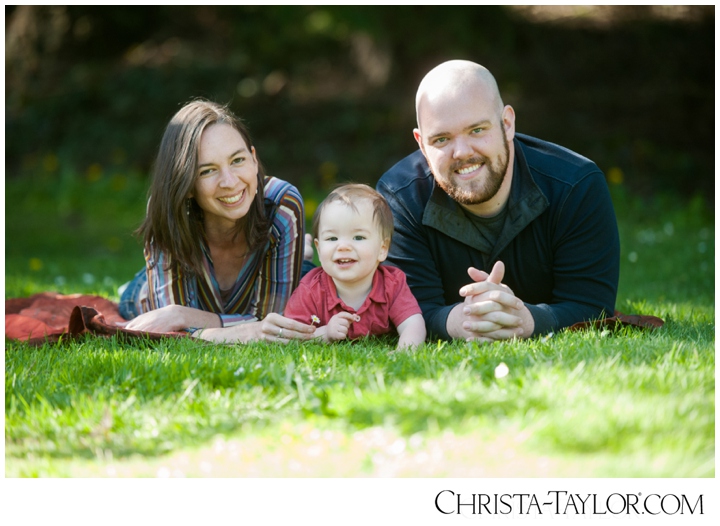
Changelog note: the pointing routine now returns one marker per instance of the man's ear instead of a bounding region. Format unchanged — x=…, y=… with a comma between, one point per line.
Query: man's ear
x=508, y=116
x=418, y=138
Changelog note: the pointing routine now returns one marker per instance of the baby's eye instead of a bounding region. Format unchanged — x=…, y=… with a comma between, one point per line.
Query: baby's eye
x=331, y=238
x=358, y=238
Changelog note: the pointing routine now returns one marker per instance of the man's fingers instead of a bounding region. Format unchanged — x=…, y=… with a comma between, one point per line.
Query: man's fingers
x=491, y=323
x=505, y=334
x=501, y=318
x=497, y=273
x=490, y=337
x=490, y=302
x=481, y=326
x=477, y=275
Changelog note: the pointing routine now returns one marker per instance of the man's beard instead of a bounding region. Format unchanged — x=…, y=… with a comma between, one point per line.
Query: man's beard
x=479, y=190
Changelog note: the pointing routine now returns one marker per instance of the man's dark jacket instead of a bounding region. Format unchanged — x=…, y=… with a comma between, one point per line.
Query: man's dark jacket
x=559, y=243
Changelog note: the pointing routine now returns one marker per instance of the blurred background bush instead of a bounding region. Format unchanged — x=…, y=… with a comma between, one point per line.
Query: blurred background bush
x=328, y=92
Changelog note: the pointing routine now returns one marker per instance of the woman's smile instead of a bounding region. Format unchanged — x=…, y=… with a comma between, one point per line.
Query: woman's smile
x=232, y=199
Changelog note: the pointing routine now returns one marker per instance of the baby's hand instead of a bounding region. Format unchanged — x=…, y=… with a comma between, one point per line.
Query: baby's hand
x=339, y=325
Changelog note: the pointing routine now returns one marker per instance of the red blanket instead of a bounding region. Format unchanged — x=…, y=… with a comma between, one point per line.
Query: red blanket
x=49, y=317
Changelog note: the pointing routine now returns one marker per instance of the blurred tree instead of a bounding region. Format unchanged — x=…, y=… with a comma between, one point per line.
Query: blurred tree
x=332, y=86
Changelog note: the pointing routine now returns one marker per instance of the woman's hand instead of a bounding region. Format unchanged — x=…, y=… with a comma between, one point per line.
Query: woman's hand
x=274, y=328
x=173, y=318
x=277, y=328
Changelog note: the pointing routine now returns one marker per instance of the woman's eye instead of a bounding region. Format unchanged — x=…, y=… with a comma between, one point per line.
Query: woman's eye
x=238, y=160
x=206, y=171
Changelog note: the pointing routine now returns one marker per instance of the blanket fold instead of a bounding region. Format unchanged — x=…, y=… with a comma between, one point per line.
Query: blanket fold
x=49, y=317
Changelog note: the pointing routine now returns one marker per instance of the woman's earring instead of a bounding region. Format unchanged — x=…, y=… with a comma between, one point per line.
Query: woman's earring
x=187, y=206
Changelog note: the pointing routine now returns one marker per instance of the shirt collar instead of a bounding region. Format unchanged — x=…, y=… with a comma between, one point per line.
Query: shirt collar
x=525, y=203
x=377, y=292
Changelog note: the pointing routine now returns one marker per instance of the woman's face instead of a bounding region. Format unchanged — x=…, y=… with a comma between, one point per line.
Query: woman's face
x=226, y=176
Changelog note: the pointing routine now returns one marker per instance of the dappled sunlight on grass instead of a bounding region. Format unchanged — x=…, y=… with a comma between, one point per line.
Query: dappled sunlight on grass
x=596, y=402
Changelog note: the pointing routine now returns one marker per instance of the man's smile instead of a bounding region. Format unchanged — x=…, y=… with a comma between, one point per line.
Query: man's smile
x=469, y=169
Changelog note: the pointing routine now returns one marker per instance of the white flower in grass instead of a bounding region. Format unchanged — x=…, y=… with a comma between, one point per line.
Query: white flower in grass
x=501, y=371
x=239, y=371
x=545, y=338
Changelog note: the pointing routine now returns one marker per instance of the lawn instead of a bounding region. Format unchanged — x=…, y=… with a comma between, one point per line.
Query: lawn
x=595, y=403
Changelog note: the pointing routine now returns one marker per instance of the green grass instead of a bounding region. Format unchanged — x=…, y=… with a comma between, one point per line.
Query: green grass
x=628, y=403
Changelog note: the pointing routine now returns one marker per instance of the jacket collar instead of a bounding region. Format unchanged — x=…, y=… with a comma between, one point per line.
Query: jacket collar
x=525, y=203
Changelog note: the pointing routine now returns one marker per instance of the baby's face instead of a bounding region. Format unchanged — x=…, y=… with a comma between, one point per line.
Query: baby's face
x=349, y=244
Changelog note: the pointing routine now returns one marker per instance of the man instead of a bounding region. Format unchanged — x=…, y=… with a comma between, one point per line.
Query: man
x=501, y=235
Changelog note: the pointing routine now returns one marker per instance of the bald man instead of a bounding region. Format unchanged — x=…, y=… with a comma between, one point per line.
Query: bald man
x=501, y=235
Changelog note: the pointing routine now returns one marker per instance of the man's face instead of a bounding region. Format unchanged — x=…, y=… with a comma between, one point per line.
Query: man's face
x=464, y=140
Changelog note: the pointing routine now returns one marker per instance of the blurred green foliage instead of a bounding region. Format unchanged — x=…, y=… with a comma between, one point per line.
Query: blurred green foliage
x=328, y=91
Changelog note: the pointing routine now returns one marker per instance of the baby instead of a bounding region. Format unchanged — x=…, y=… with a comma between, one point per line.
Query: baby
x=352, y=295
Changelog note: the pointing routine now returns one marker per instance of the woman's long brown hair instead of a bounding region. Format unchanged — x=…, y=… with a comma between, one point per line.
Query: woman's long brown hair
x=168, y=226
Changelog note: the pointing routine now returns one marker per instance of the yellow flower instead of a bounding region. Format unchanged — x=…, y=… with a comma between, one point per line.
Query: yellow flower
x=35, y=264
x=615, y=175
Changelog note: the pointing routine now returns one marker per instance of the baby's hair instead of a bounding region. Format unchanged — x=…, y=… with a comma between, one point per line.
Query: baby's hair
x=351, y=193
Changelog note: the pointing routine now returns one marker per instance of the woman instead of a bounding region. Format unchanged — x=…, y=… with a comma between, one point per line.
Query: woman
x=223, y=241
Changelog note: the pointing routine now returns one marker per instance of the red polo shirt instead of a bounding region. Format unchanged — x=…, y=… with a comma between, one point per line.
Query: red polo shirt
x=389, y=303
